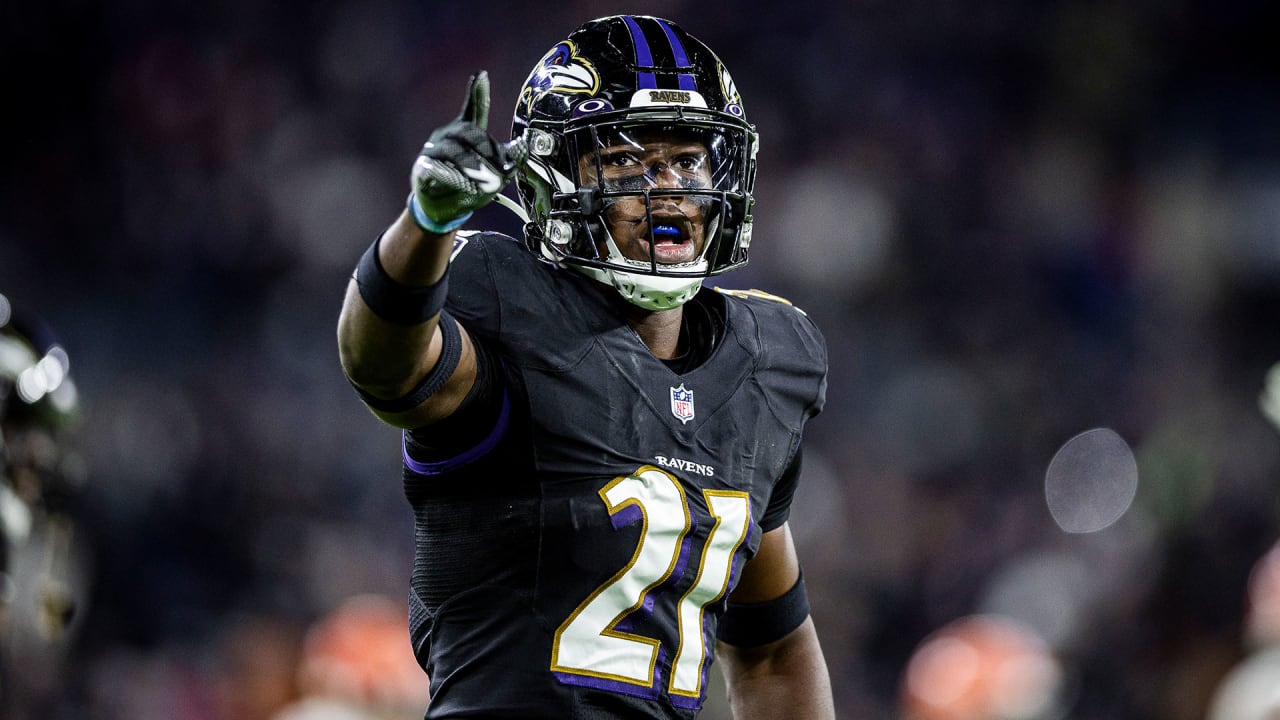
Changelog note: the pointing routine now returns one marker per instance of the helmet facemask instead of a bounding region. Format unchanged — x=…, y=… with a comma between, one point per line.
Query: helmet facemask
x=649, y=202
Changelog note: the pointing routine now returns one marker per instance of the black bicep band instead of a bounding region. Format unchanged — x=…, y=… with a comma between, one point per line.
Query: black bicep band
x=450, y=354
x=756, y=624
x=396, y=303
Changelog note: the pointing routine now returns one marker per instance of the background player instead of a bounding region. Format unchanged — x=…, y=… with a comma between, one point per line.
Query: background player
x=39, y=582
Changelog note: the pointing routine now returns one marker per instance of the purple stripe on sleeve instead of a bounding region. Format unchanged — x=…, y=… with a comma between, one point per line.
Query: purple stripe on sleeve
x=644, y=57
x=465, y=458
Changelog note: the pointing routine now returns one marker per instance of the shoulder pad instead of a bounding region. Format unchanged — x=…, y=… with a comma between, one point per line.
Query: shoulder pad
x=754, y=294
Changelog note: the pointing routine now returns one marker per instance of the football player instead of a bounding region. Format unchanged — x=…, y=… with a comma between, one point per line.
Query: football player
x=40, y=581
x=600, y=453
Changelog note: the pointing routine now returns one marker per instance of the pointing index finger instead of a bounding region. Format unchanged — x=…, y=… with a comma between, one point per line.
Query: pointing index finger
x=476, y=108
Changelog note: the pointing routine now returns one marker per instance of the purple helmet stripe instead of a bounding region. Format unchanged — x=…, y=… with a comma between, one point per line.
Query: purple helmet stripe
x=677, y=47
x=644, y=58
x=682, y=58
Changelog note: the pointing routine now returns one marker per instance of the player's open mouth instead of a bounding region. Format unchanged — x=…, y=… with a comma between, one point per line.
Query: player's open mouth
x=671, y=243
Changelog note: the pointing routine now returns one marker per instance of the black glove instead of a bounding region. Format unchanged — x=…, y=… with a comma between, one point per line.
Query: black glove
x=462, y=168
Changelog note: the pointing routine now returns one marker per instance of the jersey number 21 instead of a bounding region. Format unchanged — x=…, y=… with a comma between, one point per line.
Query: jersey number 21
x=588, y=644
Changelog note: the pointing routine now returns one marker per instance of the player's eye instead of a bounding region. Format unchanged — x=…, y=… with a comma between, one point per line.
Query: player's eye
x=619, y=159
x=690, y=162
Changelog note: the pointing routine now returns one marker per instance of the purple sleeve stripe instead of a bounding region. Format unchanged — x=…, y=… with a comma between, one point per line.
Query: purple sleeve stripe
x=465, y=458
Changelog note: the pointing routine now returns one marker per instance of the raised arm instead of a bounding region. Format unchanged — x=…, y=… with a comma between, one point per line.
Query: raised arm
x=389, y=335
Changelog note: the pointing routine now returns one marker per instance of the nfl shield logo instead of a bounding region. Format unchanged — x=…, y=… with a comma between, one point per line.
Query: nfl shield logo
x=682, y=403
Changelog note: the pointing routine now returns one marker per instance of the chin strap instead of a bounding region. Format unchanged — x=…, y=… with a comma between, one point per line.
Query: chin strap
x=651, y=292
x=513, y=206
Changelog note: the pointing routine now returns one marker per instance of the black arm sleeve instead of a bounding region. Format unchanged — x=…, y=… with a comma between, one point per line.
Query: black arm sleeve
x=450, y=353
x=471, y=423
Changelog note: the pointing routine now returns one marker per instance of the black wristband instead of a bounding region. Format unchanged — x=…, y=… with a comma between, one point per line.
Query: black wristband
x=392, y=301
x=450, y=353
x=756, y=624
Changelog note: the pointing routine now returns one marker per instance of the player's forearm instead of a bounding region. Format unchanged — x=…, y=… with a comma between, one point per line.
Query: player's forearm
x=385, y=358
x=412, y=256
x=387, y=334
x=784, y=679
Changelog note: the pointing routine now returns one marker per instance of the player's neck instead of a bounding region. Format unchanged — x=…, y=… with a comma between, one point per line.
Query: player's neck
x=659, y=330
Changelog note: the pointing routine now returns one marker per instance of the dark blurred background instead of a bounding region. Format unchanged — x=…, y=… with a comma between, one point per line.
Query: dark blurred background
x=1014, y=222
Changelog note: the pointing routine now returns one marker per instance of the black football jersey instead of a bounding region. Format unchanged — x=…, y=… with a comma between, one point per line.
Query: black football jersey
x=573, y=562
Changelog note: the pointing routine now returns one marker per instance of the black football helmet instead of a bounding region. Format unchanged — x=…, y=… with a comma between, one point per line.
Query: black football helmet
x=618, y=80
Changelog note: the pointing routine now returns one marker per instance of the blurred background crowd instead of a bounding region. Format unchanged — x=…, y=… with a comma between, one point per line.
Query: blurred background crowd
x=1015, y=222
